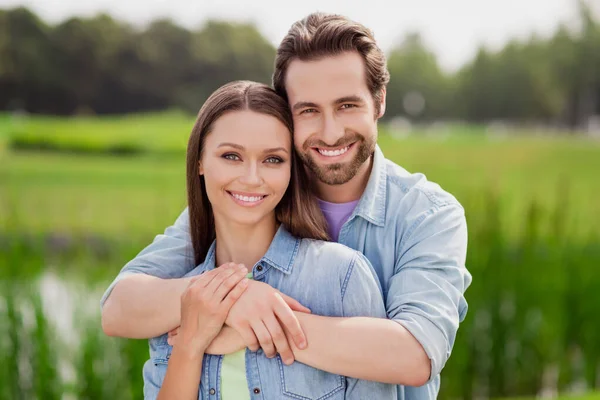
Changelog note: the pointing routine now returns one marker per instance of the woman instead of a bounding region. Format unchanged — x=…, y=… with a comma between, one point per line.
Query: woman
x=249, y=203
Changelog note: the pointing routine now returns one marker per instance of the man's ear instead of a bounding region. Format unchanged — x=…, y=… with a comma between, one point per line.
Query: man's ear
x=382, y=103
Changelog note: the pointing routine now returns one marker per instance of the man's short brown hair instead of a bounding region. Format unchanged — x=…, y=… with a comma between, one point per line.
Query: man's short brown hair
x=320, y=35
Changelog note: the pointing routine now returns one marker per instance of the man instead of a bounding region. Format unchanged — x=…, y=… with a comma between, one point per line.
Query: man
x=334, y=77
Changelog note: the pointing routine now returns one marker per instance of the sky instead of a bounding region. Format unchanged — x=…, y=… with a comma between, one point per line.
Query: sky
x=452, y=29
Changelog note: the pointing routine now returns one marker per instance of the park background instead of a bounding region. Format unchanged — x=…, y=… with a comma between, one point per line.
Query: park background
x=96, y=108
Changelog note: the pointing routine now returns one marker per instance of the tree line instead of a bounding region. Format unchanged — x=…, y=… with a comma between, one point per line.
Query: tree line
x=103, y=66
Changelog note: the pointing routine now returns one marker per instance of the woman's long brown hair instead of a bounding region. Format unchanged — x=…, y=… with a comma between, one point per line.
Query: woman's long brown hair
x=298, y=210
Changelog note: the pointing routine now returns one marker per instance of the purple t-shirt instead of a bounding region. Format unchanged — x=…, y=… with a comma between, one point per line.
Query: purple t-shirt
x=336, y=214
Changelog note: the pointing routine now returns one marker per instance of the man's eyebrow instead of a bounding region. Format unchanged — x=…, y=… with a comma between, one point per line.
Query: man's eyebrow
x=349, y=99
x=304, y=104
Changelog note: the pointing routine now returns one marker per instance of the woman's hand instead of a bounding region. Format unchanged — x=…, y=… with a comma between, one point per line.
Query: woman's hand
x=205, y=305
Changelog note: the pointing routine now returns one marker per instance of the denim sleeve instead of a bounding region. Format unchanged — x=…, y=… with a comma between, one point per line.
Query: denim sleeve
x=426, y=293
x=362, y=297
x=170, y=255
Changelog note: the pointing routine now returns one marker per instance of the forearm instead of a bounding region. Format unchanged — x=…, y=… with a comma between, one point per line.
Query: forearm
x=374, y=349
x=183, y=375
x=227, y=341
x=143, y=306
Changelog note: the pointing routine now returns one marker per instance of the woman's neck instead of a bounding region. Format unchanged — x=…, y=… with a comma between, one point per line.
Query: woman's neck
x=243, y=244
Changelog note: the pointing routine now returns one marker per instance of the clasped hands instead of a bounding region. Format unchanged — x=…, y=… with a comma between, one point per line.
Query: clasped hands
x=223, y=311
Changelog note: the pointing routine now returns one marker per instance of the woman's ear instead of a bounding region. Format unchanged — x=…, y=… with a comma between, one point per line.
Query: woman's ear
x=200, y=169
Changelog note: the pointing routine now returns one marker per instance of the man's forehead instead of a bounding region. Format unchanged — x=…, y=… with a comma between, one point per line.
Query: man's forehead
x=326, y=79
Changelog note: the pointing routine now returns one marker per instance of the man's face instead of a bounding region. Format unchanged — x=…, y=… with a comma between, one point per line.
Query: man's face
x=335, y=123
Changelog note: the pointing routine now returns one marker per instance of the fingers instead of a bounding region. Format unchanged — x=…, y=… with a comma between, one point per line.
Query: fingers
x=289, y=320
x=249, y=338
x=171, y=336
x=264, y=338
x=229, y=283
x=234, y=294
x=294, y=304
x=279, y=339
x=220, y=276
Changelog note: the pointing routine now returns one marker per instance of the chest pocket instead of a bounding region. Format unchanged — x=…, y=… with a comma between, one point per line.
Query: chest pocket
x=299, y=381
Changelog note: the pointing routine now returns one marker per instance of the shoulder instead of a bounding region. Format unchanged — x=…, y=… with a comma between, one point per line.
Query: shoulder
x=326, y=251
x=412, y=198
x=415, y=188
x=332, y=257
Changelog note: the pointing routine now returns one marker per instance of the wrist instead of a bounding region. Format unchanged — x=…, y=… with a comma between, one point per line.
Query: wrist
x=192, y=347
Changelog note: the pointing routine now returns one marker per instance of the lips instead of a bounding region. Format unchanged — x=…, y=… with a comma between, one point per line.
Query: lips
x=247, y=199
x=340, y=151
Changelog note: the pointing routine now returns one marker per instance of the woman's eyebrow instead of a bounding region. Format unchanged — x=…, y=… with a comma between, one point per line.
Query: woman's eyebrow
x=239, y=147
x=227, y=144
x=276, y=149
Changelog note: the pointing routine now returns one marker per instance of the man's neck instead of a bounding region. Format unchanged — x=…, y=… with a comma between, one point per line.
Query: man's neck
x=349, y=191
x=243, y=244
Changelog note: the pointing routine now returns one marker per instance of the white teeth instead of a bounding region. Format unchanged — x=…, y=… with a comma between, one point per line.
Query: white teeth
x=333, y=153
x=248, y=199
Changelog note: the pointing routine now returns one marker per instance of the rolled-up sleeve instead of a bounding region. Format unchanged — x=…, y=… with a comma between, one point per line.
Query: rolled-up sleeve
x=426, y=293
x=170, y=255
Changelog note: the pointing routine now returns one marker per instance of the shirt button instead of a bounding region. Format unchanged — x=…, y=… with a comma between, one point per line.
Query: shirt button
x=256, y=390
x=259, y=268
x=212, y=391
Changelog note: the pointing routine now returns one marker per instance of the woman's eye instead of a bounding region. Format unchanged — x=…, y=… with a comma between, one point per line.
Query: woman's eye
x=273, y=160
x=231, y=157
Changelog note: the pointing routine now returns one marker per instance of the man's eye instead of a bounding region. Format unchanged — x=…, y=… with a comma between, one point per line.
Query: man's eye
x=273, y=160
x=231, y=156
x=348, y=105
x=308, y=111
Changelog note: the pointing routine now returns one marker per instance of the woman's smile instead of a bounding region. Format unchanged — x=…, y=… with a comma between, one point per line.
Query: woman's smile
x=246, y=199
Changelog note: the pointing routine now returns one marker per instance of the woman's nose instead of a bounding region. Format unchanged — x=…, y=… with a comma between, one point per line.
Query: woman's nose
x=251, y=175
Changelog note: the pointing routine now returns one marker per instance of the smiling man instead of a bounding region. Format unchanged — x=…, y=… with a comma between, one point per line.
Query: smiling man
x=334, y=77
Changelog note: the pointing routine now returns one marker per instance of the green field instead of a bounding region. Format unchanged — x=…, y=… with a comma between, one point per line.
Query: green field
x=80, y=197
x=112, y=194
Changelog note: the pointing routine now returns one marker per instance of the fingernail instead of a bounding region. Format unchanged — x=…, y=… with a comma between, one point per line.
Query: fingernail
x=302, y=345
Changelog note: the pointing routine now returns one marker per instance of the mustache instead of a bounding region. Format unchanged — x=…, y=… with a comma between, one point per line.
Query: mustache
x=341, y=142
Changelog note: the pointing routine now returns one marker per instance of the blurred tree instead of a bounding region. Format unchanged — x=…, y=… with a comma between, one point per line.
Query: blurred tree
x=100, y=65
x=417, y=88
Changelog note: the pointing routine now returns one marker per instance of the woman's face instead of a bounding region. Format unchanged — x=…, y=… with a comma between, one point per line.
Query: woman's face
x=246, y=165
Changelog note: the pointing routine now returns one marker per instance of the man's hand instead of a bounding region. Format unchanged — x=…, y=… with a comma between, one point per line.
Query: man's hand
x=259, y=317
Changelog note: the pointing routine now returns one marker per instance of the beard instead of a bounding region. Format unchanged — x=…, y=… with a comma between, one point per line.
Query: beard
x=338, y=173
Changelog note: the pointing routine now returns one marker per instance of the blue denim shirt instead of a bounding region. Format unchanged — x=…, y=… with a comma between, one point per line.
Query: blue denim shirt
x=415, y=236
x=328, y=278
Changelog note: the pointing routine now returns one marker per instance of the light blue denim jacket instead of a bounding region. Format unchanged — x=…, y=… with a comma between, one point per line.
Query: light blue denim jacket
x=415, y=236
x=328, y=278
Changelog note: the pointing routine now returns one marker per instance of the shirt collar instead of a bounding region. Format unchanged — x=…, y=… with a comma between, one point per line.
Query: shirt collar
x=372, y=204
x=280, y=255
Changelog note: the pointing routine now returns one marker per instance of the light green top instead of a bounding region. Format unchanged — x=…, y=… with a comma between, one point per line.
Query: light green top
x=234, y=385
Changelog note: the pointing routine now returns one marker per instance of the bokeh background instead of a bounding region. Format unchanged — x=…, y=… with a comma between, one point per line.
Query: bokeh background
x=497, y=101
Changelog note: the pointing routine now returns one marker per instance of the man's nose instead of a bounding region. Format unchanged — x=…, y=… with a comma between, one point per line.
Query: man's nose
x=333, y=130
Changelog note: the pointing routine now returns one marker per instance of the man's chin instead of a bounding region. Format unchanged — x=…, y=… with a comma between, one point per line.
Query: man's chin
x=334, y=178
